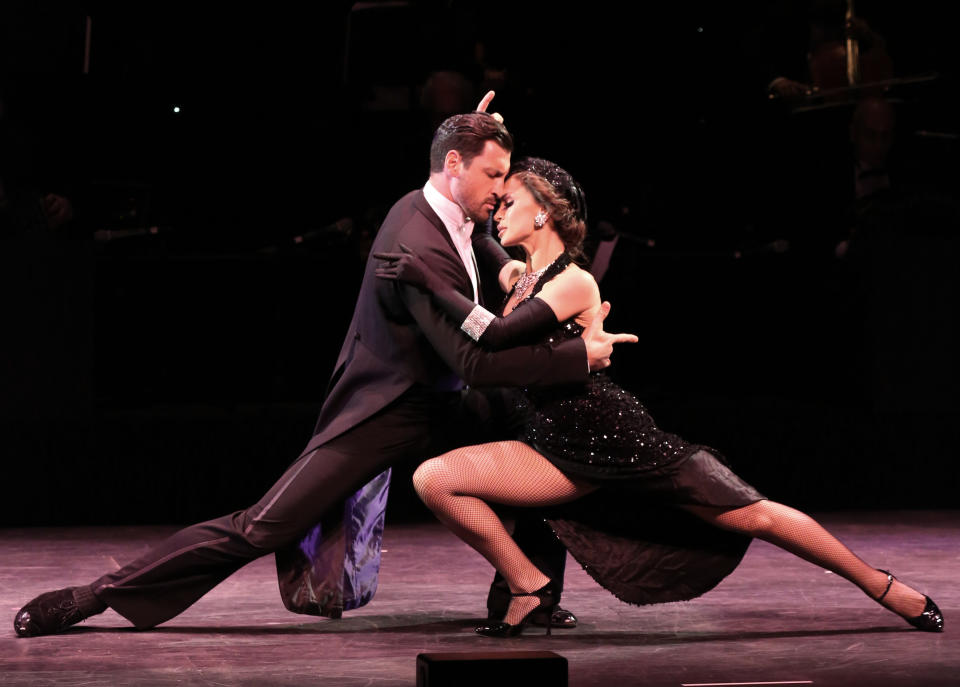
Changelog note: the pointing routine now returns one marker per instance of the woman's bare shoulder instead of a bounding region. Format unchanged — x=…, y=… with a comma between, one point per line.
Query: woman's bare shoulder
x=578, y=280
x=572, y=292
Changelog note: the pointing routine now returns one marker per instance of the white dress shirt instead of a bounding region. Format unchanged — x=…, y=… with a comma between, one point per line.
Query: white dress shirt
x=459, y=226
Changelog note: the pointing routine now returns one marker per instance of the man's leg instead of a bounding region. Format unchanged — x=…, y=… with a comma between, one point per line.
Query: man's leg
x=181, y=569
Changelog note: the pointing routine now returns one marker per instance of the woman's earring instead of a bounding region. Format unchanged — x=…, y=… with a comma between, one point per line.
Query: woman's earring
x=540, y=219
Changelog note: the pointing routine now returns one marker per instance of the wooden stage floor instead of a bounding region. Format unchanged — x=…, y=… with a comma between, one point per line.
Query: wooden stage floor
x=775, y=620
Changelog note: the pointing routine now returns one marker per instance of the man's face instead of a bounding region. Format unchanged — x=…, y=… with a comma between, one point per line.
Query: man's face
x=477, y=186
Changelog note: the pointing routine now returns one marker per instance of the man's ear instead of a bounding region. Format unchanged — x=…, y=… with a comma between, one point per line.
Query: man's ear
x=453, y=163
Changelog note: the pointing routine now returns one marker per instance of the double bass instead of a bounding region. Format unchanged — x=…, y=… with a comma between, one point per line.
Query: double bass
x=856, y=63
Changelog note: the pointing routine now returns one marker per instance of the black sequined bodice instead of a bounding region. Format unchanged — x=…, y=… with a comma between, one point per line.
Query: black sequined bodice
x=595, y=429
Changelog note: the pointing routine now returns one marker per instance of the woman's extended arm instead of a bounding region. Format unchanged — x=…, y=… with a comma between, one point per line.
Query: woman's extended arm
x=538, y=316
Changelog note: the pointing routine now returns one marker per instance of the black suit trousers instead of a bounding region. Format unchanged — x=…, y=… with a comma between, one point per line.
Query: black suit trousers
x=179, y=570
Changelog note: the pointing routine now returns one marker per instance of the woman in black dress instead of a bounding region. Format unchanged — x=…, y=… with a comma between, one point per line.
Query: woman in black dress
x=650, y=516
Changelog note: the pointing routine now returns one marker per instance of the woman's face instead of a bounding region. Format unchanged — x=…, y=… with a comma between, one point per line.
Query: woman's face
x=515, y=216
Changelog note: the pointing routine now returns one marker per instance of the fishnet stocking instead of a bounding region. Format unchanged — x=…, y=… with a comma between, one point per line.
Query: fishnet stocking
x=800, y=534
x=457, y=485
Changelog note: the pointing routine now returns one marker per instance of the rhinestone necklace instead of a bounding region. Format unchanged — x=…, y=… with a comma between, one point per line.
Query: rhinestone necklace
x=527, y=280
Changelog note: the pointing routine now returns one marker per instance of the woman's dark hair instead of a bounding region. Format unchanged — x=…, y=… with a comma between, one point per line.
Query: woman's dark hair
x=467, y=134
x=558, y=192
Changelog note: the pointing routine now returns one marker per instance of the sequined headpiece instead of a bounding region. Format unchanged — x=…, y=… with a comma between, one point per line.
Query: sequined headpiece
x=565, y=185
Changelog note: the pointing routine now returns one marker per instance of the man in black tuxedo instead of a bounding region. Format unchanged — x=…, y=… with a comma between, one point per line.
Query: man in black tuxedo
x=395, y=394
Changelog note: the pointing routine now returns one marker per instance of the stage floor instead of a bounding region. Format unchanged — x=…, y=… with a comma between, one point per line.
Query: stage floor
x=775, y=620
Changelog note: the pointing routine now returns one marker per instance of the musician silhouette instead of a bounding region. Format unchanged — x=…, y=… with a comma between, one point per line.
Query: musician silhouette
x=842, y=51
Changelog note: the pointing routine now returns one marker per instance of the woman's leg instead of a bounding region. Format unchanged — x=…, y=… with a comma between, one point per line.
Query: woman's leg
x=800, y=534
x=456, y=485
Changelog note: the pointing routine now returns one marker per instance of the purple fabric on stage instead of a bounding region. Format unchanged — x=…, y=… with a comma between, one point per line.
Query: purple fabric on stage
x=335, y=566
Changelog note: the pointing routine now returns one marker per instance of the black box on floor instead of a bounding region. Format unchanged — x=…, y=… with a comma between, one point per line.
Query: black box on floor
x=492, y=669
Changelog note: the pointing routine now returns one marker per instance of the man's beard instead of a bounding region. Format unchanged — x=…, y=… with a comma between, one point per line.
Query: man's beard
x=479, y=216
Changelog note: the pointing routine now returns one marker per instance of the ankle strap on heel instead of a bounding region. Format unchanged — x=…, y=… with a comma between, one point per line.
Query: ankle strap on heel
x=890, y=579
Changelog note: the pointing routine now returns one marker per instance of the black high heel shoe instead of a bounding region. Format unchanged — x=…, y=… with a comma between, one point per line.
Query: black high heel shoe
x=930, y=620
x=502, y=629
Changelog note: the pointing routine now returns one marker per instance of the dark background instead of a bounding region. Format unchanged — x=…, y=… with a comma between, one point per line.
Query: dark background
x=165, y=352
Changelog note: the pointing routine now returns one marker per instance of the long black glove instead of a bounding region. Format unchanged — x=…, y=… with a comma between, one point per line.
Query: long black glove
x=523, y=325
x=491, y=257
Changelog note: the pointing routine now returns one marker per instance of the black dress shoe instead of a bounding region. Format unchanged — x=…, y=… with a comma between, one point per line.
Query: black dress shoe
x=48, y=614
x=560, y=618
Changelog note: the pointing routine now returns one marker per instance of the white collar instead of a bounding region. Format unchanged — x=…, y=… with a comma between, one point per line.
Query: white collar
x=449, y=212
x=458, y=228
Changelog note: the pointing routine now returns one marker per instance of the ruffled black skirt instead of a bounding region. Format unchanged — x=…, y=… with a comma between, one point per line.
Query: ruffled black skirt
x=633, y=534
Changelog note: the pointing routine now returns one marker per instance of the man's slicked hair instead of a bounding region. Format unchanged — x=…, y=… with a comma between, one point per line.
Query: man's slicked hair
x=467, y=134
